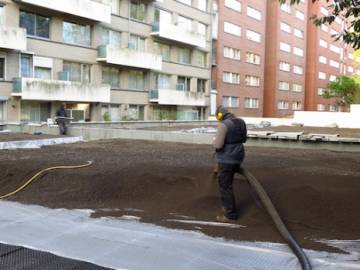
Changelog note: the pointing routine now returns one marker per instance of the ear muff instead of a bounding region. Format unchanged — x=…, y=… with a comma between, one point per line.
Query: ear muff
x=219, y=116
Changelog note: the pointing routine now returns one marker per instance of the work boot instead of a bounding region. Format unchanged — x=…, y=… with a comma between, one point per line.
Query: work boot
x=223, y=218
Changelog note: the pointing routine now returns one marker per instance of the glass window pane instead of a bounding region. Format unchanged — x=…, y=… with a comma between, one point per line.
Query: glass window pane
x=27, y=21
x=2, y=68
x=43, y=73
x=76, y=34
x=2, y=15
x=26, y=66
x=42, y=26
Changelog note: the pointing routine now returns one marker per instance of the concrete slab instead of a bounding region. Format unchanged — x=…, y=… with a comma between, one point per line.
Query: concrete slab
x=293, y=136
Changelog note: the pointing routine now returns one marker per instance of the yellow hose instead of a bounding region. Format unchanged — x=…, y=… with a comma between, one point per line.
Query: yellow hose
x=89, y=163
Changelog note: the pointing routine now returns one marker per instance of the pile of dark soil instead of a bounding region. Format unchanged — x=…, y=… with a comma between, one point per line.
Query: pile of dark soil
x=316, y=192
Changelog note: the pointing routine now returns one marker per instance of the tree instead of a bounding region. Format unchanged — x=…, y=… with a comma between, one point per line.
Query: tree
x=345, y=90
x=348, y=11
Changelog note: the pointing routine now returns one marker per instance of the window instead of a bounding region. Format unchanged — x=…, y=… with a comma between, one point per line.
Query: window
x=322, y=59
x=298, y=33
x=230, y=102
x=201, y=86
x=296, y=106
x=251, y=103
x=332, y=78
x=232, y=29
x=115, y=7
x=43, y=73
x=230, y=77
x=162, y=81
x=136, y=113
x=284, y=66
x=321, y=107
x=322, y=76
x=1, y=108
x=333, y=108
x=76, y=34
x=333, y=32
x=284, y=86
x=164, y=51
x=298, y=51
x=110, y=37
x=2, y=68
x=252, y=58
x=253, y=13
x=350, y=69
x=286, y=8
x=202, y=29
x=297, y=87
x=2, y=15
x=136, y=80
x=26, y=66
x=252, y=81
x=300, y=15
x=253, y=36
x=298, y=70
x=335, y=49
x=323, y=43
x=324, y=28
x=34, y=24
x=283, y=105
x=77, y=72
x=184, y=56
x=232, y=53
x=200, y=58
x=321, y=91
x=111, y=76
x=183, y=84
x=334, y=64
x=324, y=11
x=138, y=10
x=137, y=43
x=185, y=23
x=285, y=27
x=202, y=5
x=233, y=4
x=285, y=47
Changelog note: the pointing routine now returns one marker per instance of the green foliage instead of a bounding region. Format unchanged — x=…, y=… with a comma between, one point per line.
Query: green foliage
x=348, y=10
x=106, y=117
x=345, y=90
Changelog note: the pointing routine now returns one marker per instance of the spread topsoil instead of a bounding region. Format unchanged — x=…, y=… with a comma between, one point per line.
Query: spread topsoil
x=316, y=192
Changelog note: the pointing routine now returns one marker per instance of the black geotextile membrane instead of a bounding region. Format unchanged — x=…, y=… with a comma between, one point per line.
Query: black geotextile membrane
x=19, y=258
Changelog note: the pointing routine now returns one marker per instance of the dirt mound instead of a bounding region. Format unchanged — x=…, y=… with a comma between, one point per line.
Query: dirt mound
x=164, y=181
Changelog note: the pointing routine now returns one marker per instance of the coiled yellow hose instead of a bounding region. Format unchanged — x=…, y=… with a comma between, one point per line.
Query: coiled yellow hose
x=89, y=163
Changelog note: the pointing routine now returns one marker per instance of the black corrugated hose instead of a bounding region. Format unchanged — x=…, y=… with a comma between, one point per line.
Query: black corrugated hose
x=255, y=185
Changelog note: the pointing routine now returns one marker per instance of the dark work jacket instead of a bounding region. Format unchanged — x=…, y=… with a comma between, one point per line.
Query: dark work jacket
x=233, y=150
x=61, y=112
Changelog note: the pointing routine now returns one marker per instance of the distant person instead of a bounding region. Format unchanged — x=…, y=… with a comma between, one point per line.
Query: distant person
x=61, y=116
x=228, y=143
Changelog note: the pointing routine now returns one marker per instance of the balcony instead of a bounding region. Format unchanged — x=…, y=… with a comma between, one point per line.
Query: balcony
x=178, y=34
x=53, y=90
x=94, y=10
x=175, y=97
x=13, y=38
x=129, y=57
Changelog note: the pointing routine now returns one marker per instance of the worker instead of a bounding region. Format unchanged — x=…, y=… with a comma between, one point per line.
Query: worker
x=60, y=119
x=228, y=143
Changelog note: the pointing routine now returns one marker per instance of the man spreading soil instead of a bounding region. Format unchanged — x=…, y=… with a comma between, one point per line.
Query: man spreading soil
x=228, y=142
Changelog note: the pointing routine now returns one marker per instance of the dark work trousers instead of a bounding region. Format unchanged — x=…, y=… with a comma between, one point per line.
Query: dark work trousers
x=226, y=177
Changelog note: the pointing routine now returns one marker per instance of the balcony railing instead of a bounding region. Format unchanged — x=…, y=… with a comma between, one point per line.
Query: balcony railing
x=57, y=90
x=170, y=31
x=176, y=97
x=90, y=9
x=13, y=38
x=129, y=57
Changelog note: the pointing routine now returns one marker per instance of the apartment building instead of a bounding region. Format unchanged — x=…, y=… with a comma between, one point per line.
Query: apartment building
x=285, y=61
x=327, y=59
x=106, y=59
x=239, y=56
